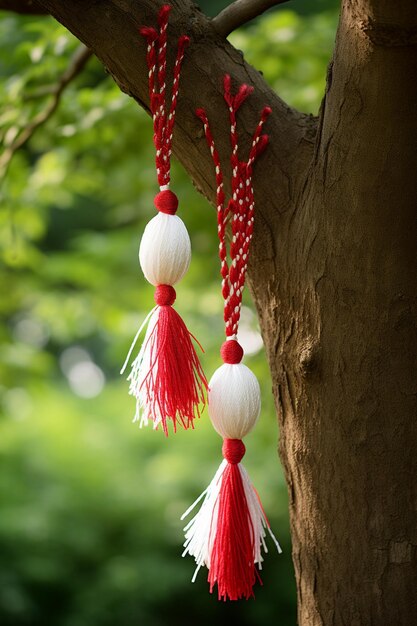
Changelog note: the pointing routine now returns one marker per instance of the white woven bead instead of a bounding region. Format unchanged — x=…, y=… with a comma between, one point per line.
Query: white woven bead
x=165, y=250
x=234, y=400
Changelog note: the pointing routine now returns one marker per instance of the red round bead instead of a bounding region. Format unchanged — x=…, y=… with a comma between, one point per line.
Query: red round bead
x=165, y=295
x=166, y=202
x=231, y=351
x=233, y=450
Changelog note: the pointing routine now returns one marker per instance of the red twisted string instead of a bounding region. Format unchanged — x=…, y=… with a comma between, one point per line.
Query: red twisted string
x=222, y=211
x=162, y=56
x=241, y=205
x=163, y=119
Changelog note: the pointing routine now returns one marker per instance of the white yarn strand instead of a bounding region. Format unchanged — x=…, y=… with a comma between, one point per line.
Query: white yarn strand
x=201, y=530
x=142, y=326
x=258, y=518
x=165, y=250
x=140, y=369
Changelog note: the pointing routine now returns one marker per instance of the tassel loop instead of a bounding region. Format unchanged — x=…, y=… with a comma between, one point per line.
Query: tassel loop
x=163, y=15
x=149, y=33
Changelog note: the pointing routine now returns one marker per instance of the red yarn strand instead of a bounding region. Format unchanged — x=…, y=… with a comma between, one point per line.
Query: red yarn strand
x=162, y=55
x=222, y=212
x=183, y=42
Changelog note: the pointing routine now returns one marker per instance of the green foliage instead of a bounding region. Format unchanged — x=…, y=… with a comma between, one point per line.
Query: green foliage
x=89, y=529
x=292, y=53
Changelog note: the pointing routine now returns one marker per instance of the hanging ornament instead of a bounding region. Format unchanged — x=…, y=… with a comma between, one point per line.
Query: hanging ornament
x=166, y=378
x=228, y=533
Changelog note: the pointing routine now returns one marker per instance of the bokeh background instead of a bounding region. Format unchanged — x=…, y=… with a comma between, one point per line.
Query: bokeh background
x=90, y=533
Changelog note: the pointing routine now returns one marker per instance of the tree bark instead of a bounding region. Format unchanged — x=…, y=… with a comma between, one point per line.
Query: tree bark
x=240, y=12
x=25, y=7
x=331, y=273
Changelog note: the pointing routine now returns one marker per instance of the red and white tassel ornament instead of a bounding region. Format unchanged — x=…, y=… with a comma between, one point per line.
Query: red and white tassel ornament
x=166, y=379
x=227, y=535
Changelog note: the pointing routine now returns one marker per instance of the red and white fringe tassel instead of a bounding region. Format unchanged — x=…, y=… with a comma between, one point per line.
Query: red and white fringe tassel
x=166, y=379
x=166, y=374
x=228, y=533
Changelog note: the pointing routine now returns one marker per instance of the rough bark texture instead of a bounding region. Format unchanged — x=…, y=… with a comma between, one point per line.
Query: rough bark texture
x=26, y=7
x=332, y=277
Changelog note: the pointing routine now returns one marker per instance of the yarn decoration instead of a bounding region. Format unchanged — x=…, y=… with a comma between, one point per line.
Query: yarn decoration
x=227, y=534
x=166, y=377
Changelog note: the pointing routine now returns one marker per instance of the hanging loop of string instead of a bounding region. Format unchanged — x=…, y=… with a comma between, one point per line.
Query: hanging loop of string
x=240, y=207
x=163, y=113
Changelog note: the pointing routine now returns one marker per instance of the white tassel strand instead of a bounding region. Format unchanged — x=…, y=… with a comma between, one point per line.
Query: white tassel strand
x=201, y=529
x=140, y=369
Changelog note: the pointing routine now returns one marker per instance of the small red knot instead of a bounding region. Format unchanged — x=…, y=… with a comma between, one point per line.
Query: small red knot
x=184, y=41
x=166, y=202
x=231, y=351
x=233, y=450
x=165, y=295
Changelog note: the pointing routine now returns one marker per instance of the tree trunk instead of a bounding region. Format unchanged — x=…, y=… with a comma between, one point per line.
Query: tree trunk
x=343, y=358
x=331, y=273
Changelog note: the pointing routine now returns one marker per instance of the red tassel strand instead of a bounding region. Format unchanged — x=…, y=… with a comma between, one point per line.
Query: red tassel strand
x=232, y=565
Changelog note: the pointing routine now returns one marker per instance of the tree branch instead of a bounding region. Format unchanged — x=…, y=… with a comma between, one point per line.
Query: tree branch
x=78, y=62
x=110, y=28
x=25, y=7
x=239, y=13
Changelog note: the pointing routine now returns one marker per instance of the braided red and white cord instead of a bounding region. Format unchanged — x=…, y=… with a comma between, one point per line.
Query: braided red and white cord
x=240, y=207
x=162, y=115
